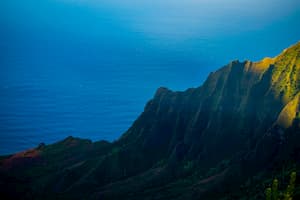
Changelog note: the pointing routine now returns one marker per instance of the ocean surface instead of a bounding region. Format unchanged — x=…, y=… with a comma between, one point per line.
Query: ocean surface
x=48, y=100
x=88, y=70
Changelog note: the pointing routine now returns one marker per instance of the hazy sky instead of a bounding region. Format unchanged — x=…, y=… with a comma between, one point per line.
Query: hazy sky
x=189, y=17
x=216, y=29
x=168, y=19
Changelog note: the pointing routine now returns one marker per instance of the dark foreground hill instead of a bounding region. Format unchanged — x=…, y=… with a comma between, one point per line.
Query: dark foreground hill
x=224, y=140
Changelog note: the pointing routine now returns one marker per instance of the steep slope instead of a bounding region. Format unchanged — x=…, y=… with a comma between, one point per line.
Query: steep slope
x=233, y=107
x=290, y=112
x=183, y=146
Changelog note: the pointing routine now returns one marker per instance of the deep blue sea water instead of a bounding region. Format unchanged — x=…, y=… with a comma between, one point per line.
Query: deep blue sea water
x=87, y=70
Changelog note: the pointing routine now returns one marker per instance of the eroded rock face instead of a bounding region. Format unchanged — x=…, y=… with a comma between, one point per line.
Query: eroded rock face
x=233, y=108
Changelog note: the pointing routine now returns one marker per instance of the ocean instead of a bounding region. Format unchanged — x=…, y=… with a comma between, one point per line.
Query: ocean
x=83, y=91
x=89, y=74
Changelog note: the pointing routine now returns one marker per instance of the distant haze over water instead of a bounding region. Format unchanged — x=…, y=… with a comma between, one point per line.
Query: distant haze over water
x=87, y=67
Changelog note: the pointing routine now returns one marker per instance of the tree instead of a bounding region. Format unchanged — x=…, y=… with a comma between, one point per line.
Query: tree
x=273, y=194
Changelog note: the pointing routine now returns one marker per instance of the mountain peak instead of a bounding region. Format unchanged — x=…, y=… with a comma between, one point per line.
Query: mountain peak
x=266, y=62
x=185, y=144
x=292, y=47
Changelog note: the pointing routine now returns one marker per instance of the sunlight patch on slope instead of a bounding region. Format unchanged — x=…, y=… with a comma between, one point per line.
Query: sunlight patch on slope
x=289, y=113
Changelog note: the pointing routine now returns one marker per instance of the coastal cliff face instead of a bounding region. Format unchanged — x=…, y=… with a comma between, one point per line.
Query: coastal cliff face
x=202, y=143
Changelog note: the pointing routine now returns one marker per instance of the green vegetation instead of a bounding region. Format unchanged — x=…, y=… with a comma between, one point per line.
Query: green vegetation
x=285, y=76
x=268, y=194
x=275, y=189
x=287, y=194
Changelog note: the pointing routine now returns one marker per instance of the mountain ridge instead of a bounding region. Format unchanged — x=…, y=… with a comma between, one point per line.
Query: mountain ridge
x=184, y=145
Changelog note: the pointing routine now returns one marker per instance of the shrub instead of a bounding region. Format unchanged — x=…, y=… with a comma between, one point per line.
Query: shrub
x=273, y=193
